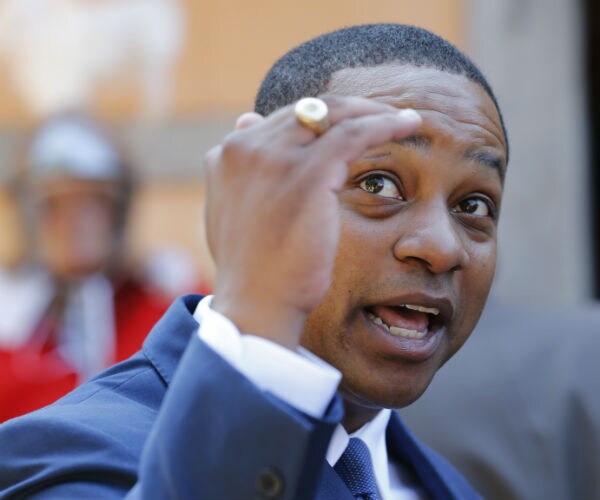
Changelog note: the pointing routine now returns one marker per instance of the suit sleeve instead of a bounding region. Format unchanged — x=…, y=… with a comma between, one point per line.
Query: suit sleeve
x=233, y=439
x=216, y=435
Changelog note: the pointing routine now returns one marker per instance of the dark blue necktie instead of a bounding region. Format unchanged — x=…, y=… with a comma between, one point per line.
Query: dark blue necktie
x=356, y=470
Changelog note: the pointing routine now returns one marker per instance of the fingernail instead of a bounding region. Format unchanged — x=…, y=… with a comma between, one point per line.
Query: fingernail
x=410, y=115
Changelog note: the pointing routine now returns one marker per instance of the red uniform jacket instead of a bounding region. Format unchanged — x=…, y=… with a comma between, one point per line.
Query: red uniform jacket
x=31, y=377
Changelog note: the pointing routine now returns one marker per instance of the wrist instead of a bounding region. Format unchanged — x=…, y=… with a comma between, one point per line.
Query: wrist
x=276, y=322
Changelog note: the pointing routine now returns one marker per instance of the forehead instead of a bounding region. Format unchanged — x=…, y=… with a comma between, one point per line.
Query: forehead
x=450, y=99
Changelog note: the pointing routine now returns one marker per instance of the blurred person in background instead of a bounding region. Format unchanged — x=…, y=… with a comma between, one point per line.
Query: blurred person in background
x=72, y=308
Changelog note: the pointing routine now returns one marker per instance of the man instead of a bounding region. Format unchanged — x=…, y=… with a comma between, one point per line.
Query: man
x=71, y=309
x=352, y=226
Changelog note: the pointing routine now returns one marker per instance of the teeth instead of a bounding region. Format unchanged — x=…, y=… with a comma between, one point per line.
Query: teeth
x=394, y=330
x=403, y=332
x=429, y=310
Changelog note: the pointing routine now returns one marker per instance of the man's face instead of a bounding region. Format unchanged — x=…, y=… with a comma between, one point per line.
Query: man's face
x=75, y=226
x=417, y=251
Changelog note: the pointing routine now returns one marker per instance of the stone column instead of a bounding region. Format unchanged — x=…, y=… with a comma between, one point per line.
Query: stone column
x=532, y=53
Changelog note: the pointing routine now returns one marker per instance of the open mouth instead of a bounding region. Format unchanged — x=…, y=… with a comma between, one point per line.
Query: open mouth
x=411, y=321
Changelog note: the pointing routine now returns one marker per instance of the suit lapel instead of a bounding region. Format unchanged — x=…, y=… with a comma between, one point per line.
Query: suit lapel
x=403, y=449
x=331, y=486
x=427, y=469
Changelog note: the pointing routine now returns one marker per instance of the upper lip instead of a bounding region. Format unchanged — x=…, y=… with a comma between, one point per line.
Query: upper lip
x=443, y=304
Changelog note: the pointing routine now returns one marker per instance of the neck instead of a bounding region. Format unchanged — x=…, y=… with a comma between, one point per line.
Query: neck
x=357, y=415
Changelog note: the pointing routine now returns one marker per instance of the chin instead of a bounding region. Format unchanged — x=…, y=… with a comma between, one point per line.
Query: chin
x=377, y=397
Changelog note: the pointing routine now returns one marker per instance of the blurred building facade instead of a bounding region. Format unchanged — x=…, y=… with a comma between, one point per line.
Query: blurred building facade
x=531, y=50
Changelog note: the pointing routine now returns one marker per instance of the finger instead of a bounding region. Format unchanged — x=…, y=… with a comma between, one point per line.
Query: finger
x=348, y=139
x=344, y=107
x=247, y=120
x=292, y=132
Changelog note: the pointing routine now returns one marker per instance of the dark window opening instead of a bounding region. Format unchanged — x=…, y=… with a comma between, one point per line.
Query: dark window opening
x=591, y=25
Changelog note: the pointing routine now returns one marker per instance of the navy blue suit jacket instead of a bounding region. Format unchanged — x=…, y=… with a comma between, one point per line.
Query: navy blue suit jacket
x=176, y=421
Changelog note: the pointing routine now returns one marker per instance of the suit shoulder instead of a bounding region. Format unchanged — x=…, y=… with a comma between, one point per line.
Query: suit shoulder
x=79, y=436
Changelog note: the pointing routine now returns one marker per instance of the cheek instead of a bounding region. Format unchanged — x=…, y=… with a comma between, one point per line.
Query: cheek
x=324, y=333
x=476, y=284
x=364, y=243
x=482, y=267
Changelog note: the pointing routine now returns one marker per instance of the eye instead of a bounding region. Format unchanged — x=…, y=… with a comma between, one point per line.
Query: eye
x=380, y=185
x=474, y=206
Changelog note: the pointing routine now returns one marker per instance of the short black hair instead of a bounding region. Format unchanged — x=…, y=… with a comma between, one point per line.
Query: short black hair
x=306, y=70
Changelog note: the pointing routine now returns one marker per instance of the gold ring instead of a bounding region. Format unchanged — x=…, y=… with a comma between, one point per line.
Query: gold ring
x=313, y=114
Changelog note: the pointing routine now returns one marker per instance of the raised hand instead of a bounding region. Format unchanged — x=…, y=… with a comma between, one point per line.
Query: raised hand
x=272, y=209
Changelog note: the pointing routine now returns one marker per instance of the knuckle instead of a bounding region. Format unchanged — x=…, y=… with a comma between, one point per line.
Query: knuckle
x=259, y=154
x=244, y=145
x=238, y=151
x=232, y=147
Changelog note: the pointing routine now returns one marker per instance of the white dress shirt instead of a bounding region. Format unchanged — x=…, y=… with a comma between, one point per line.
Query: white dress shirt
x=310, y=393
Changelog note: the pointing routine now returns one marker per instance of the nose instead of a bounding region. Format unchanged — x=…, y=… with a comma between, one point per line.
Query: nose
x=429, y=237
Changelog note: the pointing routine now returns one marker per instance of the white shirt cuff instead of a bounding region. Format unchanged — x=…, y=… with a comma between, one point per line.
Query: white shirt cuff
x=300, y=379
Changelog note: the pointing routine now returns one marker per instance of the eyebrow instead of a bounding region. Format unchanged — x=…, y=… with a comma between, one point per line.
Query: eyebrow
x=484, y=158
x=423, y=143
x=415, y=142
x=419, y=142
x=487, y=159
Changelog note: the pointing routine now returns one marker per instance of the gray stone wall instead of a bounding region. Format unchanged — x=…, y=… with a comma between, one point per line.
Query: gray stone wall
x=531, y=51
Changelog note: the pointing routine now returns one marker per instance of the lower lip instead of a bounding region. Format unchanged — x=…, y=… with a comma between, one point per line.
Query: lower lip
x=416, y=350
